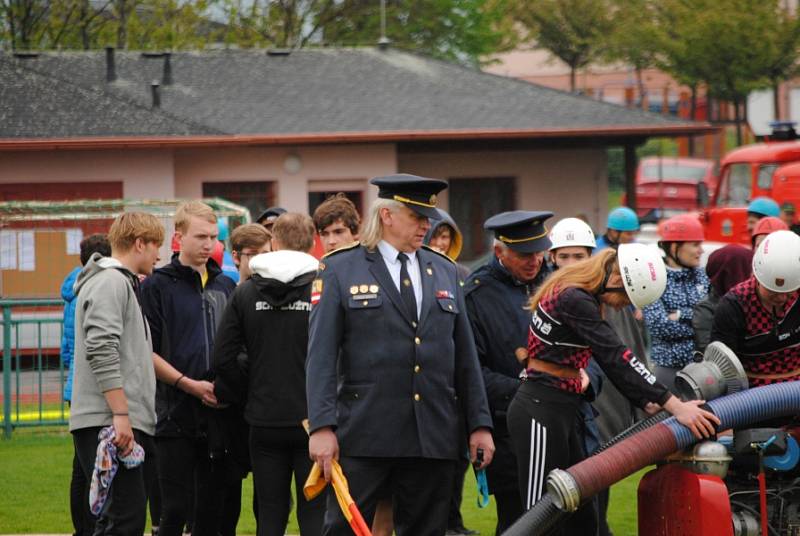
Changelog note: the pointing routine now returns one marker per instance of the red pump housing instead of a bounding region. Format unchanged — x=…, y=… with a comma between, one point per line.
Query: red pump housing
x=676, y=502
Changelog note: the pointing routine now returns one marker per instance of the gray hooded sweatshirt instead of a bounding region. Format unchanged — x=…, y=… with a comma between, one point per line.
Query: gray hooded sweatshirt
x=113, y=348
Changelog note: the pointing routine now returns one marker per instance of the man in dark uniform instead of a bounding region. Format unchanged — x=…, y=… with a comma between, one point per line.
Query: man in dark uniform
x=389, y=325
x=497, y=295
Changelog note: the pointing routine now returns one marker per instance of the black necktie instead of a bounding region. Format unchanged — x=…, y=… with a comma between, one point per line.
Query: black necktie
x=406, y=287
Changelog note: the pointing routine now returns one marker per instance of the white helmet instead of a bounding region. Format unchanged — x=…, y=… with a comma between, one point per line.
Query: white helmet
x=643, y=273
x=776, y=263
x=571, y=232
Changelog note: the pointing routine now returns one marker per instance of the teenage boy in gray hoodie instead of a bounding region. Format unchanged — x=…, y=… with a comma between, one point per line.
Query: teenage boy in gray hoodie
x=114, y=380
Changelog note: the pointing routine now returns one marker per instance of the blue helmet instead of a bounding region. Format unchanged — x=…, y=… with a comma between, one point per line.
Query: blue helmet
x=623, y=219
x=764, y=206
x=222, y=229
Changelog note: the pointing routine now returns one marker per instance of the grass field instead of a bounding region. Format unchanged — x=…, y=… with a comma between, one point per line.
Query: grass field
x=34, y=482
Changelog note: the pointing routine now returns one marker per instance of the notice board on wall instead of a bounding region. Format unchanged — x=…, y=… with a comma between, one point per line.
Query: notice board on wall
x=34, y=262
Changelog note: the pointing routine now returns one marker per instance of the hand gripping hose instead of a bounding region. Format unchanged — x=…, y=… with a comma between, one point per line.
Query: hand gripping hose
x=568, y=488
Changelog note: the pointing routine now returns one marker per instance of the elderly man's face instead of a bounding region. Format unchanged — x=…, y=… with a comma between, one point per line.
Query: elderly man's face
x=404, y=229
x=522, y=266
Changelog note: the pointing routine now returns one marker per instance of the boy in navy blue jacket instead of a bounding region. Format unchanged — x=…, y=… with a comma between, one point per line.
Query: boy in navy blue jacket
x=183, y=302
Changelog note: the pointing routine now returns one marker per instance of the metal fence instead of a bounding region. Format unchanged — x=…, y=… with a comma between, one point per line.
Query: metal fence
x=33, y=373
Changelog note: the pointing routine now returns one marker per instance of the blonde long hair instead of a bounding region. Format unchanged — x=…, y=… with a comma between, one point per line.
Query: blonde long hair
x=588, y=274
x=372, y=233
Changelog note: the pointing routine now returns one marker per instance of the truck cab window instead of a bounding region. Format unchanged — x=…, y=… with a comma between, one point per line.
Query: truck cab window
x=734, y=190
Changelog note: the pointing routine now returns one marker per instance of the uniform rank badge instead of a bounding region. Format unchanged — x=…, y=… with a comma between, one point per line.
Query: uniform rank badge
x=444, y=294
x=316, y=291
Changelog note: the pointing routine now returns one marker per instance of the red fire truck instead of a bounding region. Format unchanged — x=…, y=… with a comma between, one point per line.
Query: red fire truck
x=764, y=169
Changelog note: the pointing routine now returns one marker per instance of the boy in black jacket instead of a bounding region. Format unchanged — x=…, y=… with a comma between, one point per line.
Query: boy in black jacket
x=268, y=316
x=183, y=302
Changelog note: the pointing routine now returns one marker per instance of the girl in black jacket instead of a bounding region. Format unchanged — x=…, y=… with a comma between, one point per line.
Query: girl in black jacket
x=567, y=328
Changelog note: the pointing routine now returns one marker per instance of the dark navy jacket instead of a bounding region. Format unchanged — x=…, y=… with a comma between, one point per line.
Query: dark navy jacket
x=497, y=306
x=398, y=386
x=183, y=318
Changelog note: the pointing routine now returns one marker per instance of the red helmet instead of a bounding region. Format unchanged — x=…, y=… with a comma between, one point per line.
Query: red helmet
x=681, y=228
x=217, y=253
x=768, y=225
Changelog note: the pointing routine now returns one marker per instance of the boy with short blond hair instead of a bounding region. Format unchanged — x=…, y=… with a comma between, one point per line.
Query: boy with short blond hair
x=114, y=381
x=183, y=302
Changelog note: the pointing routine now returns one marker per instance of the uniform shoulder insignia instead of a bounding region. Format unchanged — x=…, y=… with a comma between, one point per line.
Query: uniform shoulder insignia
x=442, y=255
x=343, y=248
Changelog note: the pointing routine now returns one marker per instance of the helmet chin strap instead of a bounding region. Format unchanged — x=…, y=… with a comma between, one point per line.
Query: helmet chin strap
x=604, y=285
x=672, y=257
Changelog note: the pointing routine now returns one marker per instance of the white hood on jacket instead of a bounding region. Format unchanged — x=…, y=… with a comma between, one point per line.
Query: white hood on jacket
x=284, y=265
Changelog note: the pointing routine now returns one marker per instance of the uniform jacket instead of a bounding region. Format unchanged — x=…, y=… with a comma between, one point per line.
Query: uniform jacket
x=68, y=331
x=673, y=340
x=183, y=317
x=391, y=389
x=496, y=304
x=566, y=328
x=768, y=343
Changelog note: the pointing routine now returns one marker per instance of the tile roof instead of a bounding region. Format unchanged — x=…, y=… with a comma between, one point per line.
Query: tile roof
x=315, y=90
x=34, y=104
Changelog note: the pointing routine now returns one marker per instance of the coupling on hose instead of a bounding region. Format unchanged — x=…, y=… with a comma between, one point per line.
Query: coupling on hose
x=564, y=489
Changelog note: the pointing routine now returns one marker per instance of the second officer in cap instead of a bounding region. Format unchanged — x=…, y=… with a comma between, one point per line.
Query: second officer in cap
x=497, y=295
x=390, y=357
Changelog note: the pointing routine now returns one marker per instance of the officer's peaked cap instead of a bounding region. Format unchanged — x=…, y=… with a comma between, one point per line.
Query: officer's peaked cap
x=417, y=193
x=523, y=231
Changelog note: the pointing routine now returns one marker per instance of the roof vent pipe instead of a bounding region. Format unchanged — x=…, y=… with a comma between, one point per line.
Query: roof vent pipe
x=155, y=90
x=166, y=76
x=383, y=41
x=111, y=68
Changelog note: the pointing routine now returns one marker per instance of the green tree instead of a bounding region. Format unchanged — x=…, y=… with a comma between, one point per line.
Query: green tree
x=168, y=25
x=575, y=31
x=24, y=22
x=630, y=39
x=732, y=47
x=466, y=31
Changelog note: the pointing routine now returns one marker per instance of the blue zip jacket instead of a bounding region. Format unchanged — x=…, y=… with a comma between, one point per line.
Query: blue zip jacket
x=183, y=317
x=673, y=341
x=68, y=331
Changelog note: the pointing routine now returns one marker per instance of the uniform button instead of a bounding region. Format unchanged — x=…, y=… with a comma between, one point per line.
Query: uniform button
x=355, y=395
x=365, y=303
x=416, y=368
x=416, y=397
x=413, y=324
x=450, y=307
x=416, y=340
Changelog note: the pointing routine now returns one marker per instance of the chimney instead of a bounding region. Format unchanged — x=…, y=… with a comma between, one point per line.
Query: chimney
x=166, y=76
x=111, y=68
x=155, y=90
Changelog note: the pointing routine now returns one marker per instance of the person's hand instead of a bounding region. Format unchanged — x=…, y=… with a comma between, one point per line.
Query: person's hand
x=201, y=389
x=123, y=434
x=652, y=408
x=322, y=448
x=699, y=421
x=673, y=316
x=638, y=314
x=481, y=439
x=585, y=381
